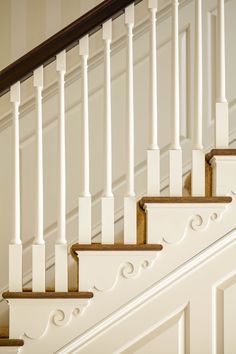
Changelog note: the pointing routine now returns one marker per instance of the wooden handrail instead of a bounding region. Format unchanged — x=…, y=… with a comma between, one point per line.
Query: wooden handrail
x=67, y=38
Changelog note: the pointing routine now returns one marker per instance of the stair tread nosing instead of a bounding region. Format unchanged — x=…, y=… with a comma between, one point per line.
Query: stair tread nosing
x=220, y=152
x=7, y=342
x=47, y=295
x=115, y=247
x=179, y=200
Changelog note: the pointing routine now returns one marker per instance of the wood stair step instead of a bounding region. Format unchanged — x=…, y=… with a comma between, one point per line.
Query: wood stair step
x=116, y=247
x=189, y=199
x=47, y=295
x=220, y=152
x=7, y=342
x=141, y=214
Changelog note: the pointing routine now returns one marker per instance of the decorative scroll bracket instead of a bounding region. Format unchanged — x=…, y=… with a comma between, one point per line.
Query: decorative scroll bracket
x=101, y=270
x=171, y=222
x=33, y=318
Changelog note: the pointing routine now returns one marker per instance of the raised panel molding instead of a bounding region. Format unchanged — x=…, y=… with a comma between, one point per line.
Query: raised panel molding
x=180, y=319
x=218, y=308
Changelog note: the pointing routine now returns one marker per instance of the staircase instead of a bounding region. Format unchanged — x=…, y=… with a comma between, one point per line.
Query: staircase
x=163, y=282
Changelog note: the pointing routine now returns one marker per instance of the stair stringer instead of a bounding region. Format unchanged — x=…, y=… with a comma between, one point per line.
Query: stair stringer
x=187, y=306
x=106, y=309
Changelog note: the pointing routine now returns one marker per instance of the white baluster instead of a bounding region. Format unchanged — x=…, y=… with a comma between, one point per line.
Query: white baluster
x=108, y=198
x=61, y=254
x=175, y=154
x=153, y=152
x=85, y=197
x=38, y=249
x=198, y=156
x=222, y=115
x=130, y=200
x=15, y=247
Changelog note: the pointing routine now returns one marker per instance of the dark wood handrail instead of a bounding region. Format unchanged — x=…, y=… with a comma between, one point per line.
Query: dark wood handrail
x=67, y=38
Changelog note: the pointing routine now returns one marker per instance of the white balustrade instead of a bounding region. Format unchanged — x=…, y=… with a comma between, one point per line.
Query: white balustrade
x=15, y=247
x=175, y=153
x=61, y=253
x=198, y=155
x=130, y=199
x=153, y=152
x=108, y=198
x=85, y=196
x=38, y=248
x=222, y=115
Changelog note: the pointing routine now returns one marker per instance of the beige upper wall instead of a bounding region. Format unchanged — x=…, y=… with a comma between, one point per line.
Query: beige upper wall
x=5, y=30
x=26, y=23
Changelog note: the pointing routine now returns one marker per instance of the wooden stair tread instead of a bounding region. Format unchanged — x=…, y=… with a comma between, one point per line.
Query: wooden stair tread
x=179, y=200
x=7, y=342
x=47, y=295
x=116, y=247
x=220, y=152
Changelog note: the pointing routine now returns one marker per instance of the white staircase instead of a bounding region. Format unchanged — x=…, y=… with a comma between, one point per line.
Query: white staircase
x=164, y=280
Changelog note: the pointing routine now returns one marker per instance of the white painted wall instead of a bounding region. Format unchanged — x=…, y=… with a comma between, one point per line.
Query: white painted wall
x=26, y=23
x=141, y=55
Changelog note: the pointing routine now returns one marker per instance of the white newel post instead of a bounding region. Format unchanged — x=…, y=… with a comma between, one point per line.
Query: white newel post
x=61, y=254
x=38, y=248
x=108, y=198
x=198, y=156
x=85, y=196
x=15, y=247
x=153, y=152
x=175, y=153
x=130, y=224
x=222, y=116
